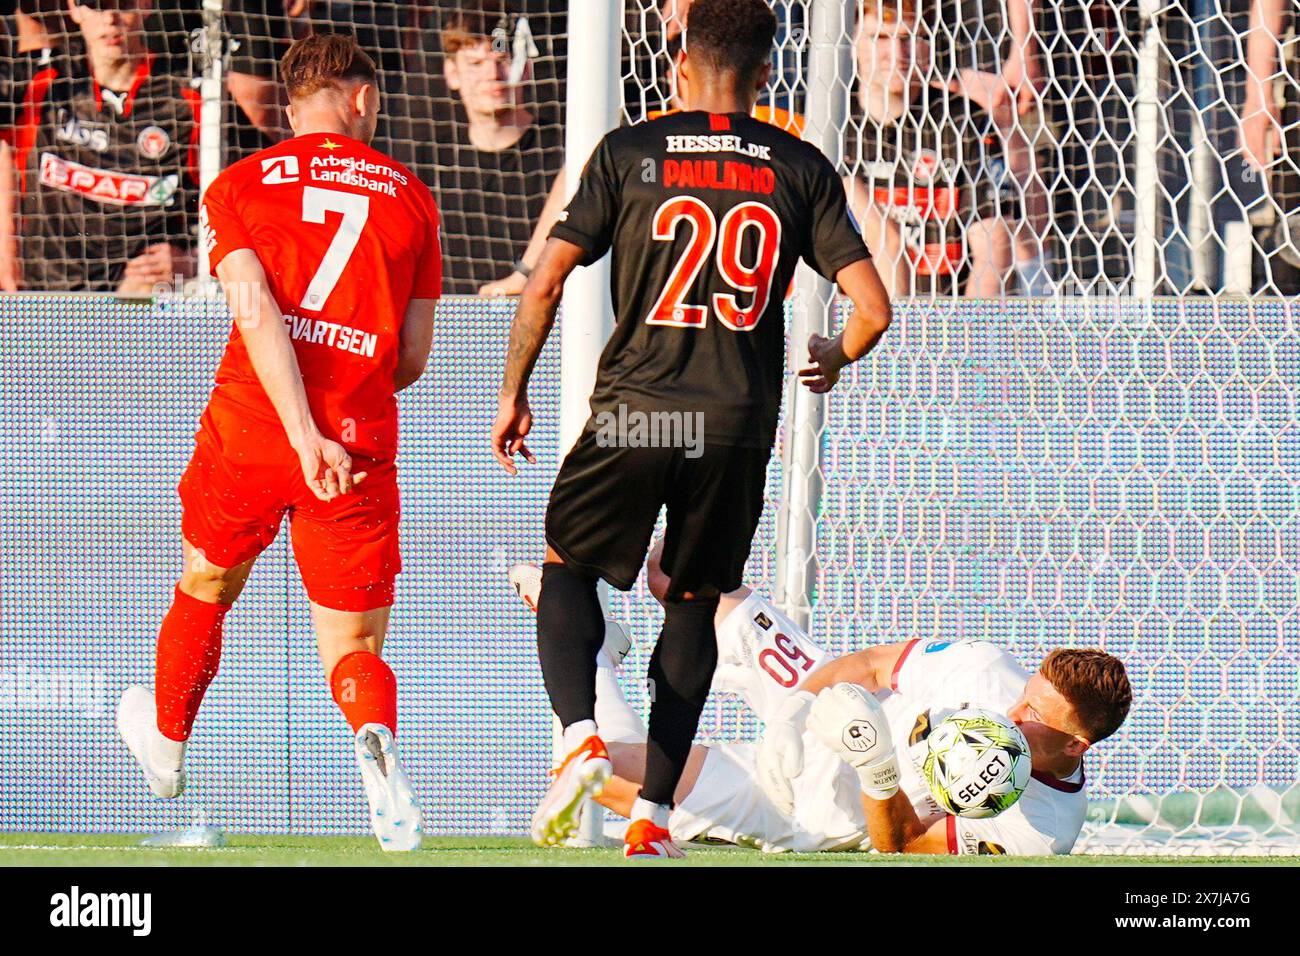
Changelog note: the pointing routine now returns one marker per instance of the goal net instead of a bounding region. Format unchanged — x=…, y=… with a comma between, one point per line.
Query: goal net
x=1101, y=449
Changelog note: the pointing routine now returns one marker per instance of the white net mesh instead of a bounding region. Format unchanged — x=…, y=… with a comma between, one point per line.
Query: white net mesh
x=483, y=126
x=997, y=147
x=1076, y=470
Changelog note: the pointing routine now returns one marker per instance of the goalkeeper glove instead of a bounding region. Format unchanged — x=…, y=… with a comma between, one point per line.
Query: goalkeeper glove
x=780, y=751
x=851, y=722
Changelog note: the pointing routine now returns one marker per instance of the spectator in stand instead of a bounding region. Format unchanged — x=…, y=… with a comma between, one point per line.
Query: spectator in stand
x=663, y=38
x=930, y=180
x=1270, y=134
x=263, y=30
x=103, y=158
x=496, y=162
x=35, y=33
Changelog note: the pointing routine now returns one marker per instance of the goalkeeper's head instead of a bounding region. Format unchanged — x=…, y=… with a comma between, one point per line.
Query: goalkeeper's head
x=332, y=85
x=728, y=47
x=1079, y=696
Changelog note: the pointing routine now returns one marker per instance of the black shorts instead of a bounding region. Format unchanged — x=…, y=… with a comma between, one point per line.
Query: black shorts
x=606, y=501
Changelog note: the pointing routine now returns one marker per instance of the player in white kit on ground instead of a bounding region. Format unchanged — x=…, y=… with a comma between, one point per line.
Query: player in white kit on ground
x=791, y=791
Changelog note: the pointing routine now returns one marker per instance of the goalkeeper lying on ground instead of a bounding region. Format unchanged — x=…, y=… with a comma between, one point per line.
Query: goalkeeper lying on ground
x=799, y=789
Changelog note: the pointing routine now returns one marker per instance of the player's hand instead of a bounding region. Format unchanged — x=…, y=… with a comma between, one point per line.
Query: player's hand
x=1261, y=126
x=512, y=284
x=850, y=721
x=327, y=468
x=514, y=421
x=828, y=359
x=780, y=750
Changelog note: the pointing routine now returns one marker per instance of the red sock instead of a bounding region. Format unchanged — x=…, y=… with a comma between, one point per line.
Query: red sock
x=189, y=650
x=365, y=690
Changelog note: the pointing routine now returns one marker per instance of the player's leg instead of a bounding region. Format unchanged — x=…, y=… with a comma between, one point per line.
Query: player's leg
x=599, y=520
x=349, y=644
x=658, y=582
x=157, y=726
x=347, y=552
x=570, y=631
x=629, y=772
x=714, y=505
x=526, y=579
x=230, y=514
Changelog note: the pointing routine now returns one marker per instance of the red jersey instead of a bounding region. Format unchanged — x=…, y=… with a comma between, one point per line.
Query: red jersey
x=347, y=237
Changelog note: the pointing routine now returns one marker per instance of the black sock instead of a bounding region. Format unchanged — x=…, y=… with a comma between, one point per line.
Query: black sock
x=681, y=669
x=570, y=631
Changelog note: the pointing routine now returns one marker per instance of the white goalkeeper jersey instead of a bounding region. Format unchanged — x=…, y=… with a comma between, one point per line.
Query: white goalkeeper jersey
x=935, y=678
x=763, y=657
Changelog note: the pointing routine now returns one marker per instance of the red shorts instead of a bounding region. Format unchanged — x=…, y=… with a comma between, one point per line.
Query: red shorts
x=234, y=494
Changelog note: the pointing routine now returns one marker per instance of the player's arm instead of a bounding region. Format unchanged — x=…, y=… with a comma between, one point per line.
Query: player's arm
x=327, y=468
x=534, y=319
x=894, y=826
x=871, y=317
x=849, y=721
x=872, y=668
x=1260, y=120
x=835, y=249
x=415, y=342
x=780, y=749
x=581, y=236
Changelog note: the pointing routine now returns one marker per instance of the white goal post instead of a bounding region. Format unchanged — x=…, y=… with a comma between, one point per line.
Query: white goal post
x=1103, y=455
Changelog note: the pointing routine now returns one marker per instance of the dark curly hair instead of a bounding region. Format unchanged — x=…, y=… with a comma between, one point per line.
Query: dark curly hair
x=731, y=36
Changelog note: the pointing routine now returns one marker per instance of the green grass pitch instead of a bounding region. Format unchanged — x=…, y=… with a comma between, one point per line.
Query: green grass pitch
x=88, y=850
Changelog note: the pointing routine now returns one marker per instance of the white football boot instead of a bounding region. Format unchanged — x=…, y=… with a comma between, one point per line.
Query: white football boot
x=526, y=579
x=394, y=808
x=580, y=778
x=161, y=759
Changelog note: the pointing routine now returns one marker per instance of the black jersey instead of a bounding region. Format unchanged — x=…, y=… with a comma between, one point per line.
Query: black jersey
x=936, y=170
x=103, y=175
x=707, y=215
x=490, y=200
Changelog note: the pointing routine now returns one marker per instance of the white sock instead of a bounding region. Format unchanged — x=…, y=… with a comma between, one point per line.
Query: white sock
x=656, y=813
x=576, y=733
x=619, y=722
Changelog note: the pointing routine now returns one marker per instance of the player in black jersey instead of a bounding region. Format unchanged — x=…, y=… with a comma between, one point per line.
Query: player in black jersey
x=707, y=212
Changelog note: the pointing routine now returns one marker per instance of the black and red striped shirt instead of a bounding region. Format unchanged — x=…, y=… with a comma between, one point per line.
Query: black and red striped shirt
x=102, y=174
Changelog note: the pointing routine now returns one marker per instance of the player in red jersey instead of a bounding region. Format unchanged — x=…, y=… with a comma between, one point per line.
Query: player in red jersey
x=328, y=252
